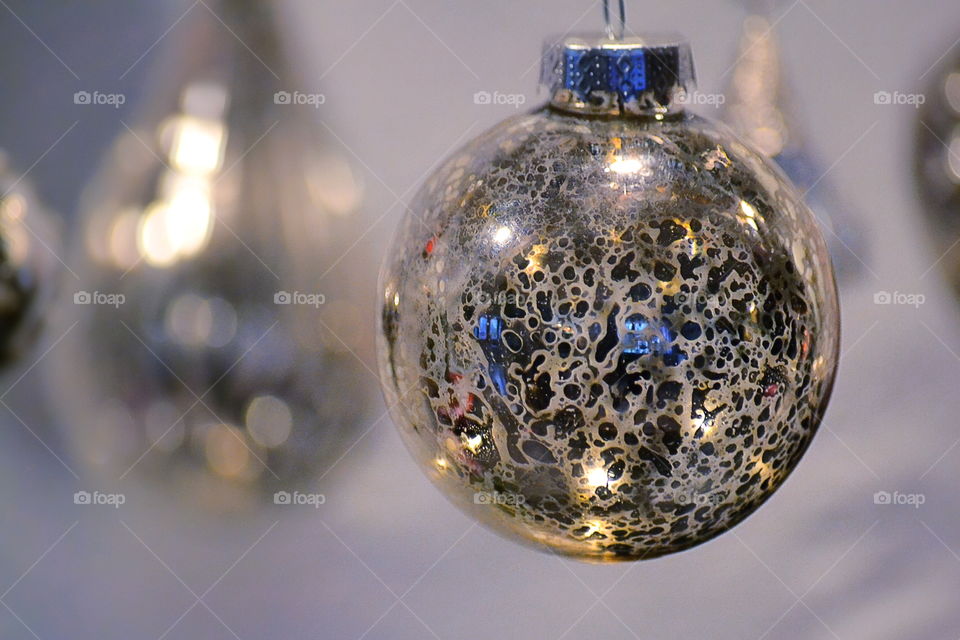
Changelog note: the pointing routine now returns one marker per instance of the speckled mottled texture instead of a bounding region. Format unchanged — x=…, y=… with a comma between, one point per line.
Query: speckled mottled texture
x=612, y=337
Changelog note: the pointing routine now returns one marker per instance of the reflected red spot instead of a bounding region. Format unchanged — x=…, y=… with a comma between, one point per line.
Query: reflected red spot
x=771, y=390
x=457, y=407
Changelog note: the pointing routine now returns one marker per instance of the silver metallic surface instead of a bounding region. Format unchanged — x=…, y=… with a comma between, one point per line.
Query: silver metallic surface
x=612, y=337
x=218, y=328
x=594, y=75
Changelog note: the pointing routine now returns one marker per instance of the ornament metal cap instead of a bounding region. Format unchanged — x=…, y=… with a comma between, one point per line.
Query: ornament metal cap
x=594, y=74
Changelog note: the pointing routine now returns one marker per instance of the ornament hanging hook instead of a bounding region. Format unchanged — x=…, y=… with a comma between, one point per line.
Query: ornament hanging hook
x=615, y=34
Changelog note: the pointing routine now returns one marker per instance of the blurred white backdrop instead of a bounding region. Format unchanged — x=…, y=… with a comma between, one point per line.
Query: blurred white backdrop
x=386, y=556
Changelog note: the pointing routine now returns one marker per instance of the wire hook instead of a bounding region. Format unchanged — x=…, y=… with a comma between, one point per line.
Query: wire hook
x=611, y=33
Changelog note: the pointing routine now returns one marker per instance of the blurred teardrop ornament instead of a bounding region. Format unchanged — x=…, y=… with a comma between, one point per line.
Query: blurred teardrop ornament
x=937, y=161
x=761, y=109
x=609, y=328
x=220, y=309
x=29, y=266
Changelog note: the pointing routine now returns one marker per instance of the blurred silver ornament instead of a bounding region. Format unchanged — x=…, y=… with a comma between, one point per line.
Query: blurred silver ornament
x=761, y=108
x=609, y=328
x=29, y=266
x=221, y=313
x=937, y=162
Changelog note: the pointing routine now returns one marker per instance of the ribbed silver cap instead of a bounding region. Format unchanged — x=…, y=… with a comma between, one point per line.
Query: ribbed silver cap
x=649, y=75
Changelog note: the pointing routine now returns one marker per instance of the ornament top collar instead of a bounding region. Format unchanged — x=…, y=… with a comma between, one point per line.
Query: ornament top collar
x=593, y=74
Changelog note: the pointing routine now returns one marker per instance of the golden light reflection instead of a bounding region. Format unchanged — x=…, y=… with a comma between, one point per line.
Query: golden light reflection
x=700, y=422
x=597, y=477
x=627, y=165
x=748, y=215
x=764, y=468
x=535, y=258
x=671, y=288
x=471, y=443
x=502, y=235
x=695, y=245
x=155, y=245
x=197, y=146
x=180, y=222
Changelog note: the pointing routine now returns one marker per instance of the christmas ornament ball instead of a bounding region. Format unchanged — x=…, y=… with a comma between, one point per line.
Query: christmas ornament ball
x=212, y=356
x=608, y=327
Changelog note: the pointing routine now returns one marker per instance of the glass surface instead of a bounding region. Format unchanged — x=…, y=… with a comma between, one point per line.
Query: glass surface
x=220, y=314
x=613, y=338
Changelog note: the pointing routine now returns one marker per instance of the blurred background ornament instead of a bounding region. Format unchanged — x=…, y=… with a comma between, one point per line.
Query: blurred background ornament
x=29, y=266
x=220, y=311
x=937, y=161
x=762, y=110
x=612, y=336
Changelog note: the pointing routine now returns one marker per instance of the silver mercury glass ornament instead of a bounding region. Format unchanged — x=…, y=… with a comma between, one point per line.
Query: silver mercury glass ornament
x=937, y=162
x=761, y=109
x=29, y=267
x=219, y=310
x=609, y=328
